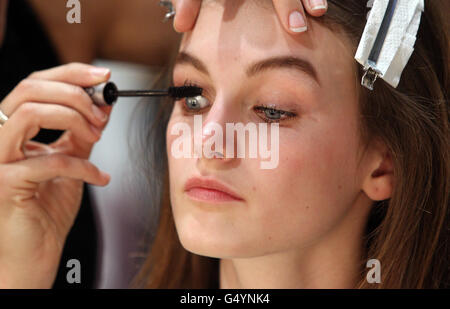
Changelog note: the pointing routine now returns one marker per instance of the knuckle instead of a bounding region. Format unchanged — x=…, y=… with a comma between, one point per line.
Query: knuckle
x=26, y=85
x=26, y=110
x=34, y=75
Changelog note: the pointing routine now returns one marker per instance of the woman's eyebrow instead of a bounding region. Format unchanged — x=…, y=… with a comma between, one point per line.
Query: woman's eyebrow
x=186, y=58
x=289, y=62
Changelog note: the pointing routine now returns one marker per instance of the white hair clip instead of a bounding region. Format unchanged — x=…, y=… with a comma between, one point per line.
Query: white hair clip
x=388, y=39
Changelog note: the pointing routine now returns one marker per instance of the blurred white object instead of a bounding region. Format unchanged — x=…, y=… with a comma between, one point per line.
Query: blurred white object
x=120, y=207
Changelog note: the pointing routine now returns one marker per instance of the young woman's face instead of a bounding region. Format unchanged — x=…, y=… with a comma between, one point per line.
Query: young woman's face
x=316, y=182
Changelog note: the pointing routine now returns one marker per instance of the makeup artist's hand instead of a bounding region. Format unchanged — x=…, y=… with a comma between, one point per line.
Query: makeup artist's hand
x=41, y=185
x=290, y=12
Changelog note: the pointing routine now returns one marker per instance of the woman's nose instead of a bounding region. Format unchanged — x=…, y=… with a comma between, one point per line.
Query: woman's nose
x=214, y=139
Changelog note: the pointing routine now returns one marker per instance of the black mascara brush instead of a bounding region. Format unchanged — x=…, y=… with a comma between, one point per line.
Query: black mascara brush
x=107, y=93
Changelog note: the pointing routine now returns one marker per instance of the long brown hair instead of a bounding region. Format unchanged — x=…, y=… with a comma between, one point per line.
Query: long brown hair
x=408, y=233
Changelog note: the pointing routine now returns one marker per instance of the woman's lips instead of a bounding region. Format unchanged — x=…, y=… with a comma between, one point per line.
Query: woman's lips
x=210, y=190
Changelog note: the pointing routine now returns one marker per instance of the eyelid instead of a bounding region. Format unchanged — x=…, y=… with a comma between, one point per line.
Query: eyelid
x=280, y=102
x=277, y=108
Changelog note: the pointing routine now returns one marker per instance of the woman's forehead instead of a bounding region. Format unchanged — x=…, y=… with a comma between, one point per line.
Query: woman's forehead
x=229, y=24
x=231, y=35
x=241, y=29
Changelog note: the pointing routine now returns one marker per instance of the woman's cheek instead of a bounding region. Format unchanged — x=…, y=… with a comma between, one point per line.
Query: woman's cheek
x=277, y=190
x=292, y=203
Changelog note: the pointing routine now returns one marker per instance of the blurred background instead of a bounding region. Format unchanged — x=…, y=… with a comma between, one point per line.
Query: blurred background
x=130, y=38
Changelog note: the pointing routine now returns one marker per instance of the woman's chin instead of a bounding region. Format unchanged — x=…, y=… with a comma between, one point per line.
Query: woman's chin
x=215, y=246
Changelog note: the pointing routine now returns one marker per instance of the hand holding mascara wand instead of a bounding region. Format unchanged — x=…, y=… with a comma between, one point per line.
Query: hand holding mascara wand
x=106, y=94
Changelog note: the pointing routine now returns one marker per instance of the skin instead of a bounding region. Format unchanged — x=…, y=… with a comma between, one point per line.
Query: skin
x=305, y=229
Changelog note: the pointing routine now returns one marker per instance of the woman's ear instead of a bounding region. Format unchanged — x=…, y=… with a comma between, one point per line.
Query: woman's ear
x=378, y=182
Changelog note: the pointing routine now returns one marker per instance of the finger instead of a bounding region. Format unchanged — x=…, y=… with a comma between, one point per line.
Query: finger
x=45, y=168
x=186, y=14
x=48, y=91
x=291, y=15
x=80, y=74
x=316, y=7
x=35, y=149
x=26, y=122
x=32, y=145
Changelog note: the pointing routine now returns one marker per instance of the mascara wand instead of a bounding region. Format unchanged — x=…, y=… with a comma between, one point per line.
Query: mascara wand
x=106, y=94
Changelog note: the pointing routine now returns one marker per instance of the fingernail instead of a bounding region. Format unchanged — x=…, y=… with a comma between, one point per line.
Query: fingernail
x=297, y=22
x=96, y=130
x=317, y=5
x=100, y=72
x=98, y=113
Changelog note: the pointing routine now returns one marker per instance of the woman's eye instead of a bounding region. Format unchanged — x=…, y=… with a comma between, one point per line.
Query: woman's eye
x=271, y=114
x=194, y=104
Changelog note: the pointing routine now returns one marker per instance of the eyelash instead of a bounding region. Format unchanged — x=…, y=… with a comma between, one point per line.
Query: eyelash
x=263, y=108
x=259, y=108
x=188, y=82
